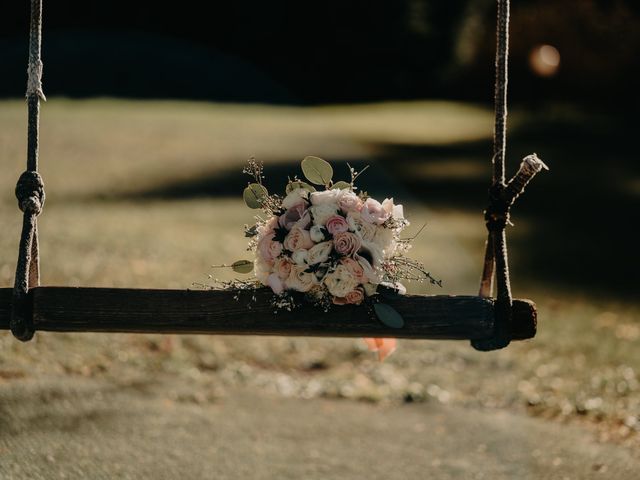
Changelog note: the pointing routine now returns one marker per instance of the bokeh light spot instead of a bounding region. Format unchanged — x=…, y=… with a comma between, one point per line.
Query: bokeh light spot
x=544, y=60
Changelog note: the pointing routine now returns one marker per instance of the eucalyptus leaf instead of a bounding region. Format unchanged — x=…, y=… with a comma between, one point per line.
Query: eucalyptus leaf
x=341, y=185
x=388, y=315
x=254, y=195
x=242, y=266
x=317, y=170
x=291, y=186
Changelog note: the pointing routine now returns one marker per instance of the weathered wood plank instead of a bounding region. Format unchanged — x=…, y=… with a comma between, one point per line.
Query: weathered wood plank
x=69, y=309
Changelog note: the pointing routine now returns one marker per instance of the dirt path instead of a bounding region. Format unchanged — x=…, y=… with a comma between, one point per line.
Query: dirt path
x=93, y=429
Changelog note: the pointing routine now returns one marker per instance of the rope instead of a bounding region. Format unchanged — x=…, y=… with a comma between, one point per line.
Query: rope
x=501, y=196
x=29, y=190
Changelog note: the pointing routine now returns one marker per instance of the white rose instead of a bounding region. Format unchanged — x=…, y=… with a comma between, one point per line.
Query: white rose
x=320, y=253
x=321, y=213
x=299, y=257
x=396, y=211
x=365, y=230
x=317, y=233
x=295, y=197
x=300, y=280
x=325, y=197
x=340, y=282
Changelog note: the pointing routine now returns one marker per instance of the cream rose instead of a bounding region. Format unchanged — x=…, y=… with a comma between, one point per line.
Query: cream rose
x=321, y=213
x=324, y=197
x=336, y=224
x=298, y=239
x=340, y=282
x=366, y=231
x=319, y=253
x=300, y=280
x=349, y=201
x=346, y=243
x=354, y=297
x=355, y=269
x=299, y=257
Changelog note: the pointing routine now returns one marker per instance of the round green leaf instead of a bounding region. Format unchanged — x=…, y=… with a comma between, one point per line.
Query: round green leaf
x=254, y=195
x=388, y=315
x=242, y=266
x=291, y=186
x=317, y=170
x=341, y=185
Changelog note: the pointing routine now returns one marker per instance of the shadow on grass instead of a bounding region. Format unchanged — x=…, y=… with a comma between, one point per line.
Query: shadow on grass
x=584, y=212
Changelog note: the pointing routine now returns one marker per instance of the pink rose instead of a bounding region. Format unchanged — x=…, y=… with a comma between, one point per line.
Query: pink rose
x=269, y=249
x=336, y=224
x=298, y=239
x=355, y=269
x=349, y=201
x=354, y=297
x=282, y=267
x=346, y=243
x=276, y=283
x=373, y=212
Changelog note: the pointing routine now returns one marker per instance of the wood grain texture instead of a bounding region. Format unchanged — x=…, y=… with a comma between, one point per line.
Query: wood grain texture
x=69, y=309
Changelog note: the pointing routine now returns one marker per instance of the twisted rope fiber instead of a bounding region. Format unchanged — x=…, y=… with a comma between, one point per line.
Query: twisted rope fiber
x=29, y=189
x=502, y=196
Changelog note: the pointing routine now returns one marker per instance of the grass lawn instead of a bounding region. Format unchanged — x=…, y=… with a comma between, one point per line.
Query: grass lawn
x=147, y=194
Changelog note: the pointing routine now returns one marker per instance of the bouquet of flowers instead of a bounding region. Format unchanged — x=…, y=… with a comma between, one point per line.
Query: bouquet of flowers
x=330, y=246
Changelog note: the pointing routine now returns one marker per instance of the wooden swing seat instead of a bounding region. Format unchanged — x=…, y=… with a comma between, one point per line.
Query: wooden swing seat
x=75, y=309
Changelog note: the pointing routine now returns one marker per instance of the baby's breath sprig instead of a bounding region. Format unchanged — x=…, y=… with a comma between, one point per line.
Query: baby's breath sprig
x=255, y=169
x=405, y=268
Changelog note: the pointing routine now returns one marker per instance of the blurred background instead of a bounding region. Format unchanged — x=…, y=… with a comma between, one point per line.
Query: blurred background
x=152, y=111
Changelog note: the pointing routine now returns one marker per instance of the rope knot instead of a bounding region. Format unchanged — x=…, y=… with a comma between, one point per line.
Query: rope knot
x=497, y=214
x=30, y=192
x=34, y=79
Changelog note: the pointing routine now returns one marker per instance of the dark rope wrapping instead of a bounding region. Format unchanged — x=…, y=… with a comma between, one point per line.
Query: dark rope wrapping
x=29, y=191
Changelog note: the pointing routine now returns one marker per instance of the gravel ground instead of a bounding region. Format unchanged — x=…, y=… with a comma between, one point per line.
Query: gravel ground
x=165, y=429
